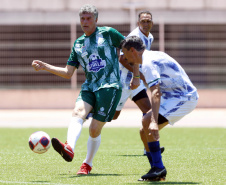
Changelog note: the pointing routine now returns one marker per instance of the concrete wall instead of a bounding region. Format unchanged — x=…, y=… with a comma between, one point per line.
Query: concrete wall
x=117, y=11
x=65, y=99
x=62, y=5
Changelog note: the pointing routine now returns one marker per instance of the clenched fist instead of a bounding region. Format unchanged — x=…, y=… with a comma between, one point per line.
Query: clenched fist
x=38, y=65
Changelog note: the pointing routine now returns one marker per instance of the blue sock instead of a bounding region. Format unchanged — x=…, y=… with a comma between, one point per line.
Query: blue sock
x=149, y=158
x=155, y=151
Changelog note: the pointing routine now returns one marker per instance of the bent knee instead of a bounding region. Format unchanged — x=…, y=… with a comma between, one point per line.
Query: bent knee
x=79, y=112
x=94, y=132
x=145, y=123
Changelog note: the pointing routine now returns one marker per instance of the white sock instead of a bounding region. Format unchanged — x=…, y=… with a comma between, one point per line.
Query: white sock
x=92, y=147
x=74, y=131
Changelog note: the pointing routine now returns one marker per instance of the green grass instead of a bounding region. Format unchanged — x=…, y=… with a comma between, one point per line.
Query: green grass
x=192, y=156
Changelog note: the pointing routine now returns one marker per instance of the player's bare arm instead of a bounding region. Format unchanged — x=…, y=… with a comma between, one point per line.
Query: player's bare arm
x=65, y=72
x=125, y=63
x=155, y=101
x=129, y=66
x=135, y=81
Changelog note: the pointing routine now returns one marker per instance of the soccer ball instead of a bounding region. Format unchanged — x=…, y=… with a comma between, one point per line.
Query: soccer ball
x=39, y=142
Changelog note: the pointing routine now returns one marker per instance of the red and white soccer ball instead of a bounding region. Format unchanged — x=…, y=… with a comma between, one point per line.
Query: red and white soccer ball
x=39, y=142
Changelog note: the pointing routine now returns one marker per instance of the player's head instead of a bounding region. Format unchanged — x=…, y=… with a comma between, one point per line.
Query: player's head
x=145, y=22
x=88, y=8
x=131, y=47
x=88, y=18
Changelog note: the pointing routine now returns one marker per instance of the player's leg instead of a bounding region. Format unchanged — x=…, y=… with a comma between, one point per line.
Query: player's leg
x=80, y=111
x=144, y=140
x=104, y=110
x=93, y=144
x=173, y=110
x=124, y=97
x=117, y=113
x=142, y=101
x=158, y=170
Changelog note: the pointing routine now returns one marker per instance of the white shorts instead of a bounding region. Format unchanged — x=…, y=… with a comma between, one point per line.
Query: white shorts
x=128, y=93
x=174, y=109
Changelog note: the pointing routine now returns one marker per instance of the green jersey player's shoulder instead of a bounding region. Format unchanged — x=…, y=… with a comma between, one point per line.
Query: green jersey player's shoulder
x=115, y=36
x=104, y=28
x=109, y=30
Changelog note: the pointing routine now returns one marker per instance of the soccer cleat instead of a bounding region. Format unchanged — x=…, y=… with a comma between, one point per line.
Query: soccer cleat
x=84, y=169
x=63, y=149
x=155, y=174
x=161, y=148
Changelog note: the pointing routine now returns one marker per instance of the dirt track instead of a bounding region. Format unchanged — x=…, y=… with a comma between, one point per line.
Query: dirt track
x=128, y=118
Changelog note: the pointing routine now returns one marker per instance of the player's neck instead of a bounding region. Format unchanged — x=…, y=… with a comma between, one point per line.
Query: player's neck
x=146, y=34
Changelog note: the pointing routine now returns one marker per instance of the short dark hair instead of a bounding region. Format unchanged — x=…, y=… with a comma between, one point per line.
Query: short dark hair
x=144, y=12
x=132, y=41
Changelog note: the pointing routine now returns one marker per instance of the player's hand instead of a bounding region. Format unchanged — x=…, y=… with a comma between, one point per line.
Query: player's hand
x=154, y=130
x=38, y=65
x=135, y=82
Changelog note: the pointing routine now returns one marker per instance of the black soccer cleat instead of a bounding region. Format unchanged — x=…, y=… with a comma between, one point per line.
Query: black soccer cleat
x=155, y=174
x=162, y=149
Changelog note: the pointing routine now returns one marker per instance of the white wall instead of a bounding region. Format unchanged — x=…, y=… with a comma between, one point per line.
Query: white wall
x=62, y=5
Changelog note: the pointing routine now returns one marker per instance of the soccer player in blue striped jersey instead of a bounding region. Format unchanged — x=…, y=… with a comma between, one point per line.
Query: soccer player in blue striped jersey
x=172, y=96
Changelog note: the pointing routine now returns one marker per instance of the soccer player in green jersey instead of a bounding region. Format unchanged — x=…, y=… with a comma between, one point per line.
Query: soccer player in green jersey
x=96, y=52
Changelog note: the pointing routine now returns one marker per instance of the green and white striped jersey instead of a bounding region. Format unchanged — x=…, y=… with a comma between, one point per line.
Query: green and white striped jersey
x=97, y=54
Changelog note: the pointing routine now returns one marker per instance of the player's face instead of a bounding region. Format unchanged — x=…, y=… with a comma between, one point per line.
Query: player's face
x=145, y=23
x=88, y=23
x=129, y=55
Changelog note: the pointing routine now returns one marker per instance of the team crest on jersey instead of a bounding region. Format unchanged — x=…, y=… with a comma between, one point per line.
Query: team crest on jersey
x=95, y=63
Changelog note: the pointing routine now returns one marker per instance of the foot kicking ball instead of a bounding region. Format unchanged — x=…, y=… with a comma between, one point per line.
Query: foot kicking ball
x=39, y=142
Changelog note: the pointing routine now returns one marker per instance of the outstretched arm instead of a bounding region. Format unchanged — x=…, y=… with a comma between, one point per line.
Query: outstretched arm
x=65, y=72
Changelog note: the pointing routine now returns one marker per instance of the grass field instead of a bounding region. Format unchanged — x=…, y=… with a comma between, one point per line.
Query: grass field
x=192, y=156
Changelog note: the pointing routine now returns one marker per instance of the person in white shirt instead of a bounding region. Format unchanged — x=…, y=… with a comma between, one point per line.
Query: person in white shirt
x=172, y=96
x=138, y=95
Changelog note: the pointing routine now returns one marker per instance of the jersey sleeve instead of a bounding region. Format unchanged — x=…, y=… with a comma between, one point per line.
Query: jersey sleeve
x=73, y=59
x=151, y=75
x=116, y=37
